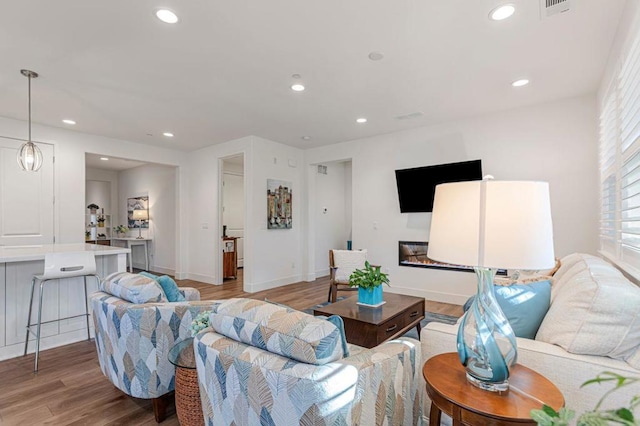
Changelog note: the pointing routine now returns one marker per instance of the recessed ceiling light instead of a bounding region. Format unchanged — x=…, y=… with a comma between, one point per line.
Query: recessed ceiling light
x=66, y=121
x=104, y=158
x=520, y=83
x=168, y=134
x=361, y=120
x=502, y=12
x=167, y=16
x=306, y=138
x=376, y=56
x=297, y=87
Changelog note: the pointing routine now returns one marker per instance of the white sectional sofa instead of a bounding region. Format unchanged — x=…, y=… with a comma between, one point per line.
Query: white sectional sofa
x=594, y=310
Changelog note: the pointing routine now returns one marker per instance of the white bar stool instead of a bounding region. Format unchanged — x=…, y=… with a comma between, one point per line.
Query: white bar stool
x=58, y=266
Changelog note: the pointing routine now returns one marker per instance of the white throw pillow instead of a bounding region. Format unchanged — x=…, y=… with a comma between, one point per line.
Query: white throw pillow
x=347, y=261
x=595, y=310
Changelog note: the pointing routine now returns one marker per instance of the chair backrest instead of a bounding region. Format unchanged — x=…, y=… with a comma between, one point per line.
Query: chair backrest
x=67, y=265
x=346, y=261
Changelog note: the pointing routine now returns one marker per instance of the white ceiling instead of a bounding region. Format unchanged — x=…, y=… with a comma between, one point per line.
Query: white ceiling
x=224, y=71
x=116, y=164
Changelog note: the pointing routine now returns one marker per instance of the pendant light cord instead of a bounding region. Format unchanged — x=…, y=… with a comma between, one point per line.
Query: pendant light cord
x=29, y=77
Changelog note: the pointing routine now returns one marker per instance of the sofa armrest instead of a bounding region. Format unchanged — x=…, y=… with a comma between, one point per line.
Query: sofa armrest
x=393, y=369
x=189, y=293
x=567, y=371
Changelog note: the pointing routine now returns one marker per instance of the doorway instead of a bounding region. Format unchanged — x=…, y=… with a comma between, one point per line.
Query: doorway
x=331, y=213
x=233, y=218
x=118, y=186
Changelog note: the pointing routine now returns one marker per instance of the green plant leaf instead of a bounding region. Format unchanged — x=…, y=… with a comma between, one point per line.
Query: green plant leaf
x=550, y=411
x=625, y=414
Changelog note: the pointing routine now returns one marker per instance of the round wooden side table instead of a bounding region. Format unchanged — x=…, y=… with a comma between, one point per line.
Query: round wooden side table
x=188, y=405
x=451, y=393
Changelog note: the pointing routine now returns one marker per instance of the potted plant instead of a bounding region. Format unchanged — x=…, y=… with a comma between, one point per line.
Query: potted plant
x=121, y=229
x=93, y=208
x=369, y=282
x=87, y=235
x=547, y=416
x=101, y=220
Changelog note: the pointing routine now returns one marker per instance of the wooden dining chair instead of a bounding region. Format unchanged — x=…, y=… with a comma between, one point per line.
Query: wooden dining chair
x=342, y=263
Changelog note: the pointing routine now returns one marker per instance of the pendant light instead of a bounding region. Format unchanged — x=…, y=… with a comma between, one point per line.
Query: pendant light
x=29, y=155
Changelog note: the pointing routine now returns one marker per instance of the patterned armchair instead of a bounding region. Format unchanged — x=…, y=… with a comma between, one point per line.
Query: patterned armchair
x=133, y=340
x=275, y=366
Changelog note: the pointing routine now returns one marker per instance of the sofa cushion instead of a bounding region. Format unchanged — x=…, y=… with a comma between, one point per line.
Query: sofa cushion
x=283, y=331
x=524, y=305
x=169, y=286
x=595, y=310
x=133, y=288
x=346, y=262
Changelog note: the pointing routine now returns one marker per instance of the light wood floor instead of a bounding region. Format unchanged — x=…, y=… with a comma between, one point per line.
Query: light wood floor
x=70, y=389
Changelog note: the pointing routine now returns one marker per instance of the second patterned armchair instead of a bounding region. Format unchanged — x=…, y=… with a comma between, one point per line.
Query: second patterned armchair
x=264, y=364
x=135, y=326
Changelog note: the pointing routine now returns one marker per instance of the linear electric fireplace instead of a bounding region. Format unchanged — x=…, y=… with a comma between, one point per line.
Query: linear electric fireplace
x=414, y=254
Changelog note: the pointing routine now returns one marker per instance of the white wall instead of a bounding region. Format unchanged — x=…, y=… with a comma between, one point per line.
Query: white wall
x=159, y=183
x=271, y=257
x=554, y=142
x=331, y=228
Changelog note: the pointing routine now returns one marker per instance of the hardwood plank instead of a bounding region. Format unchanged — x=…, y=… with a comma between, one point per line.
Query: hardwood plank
x=70, y=389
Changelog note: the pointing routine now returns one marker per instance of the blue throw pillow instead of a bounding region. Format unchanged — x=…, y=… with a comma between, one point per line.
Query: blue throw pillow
x=337, y=321
x=169, y=286
x=524, y=305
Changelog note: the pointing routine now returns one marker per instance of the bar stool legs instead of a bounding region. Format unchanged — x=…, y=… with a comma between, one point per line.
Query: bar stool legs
x=40, y=322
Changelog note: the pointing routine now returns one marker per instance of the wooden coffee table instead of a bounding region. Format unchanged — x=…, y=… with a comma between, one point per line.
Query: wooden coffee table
x=451, y=393
x=368, y=327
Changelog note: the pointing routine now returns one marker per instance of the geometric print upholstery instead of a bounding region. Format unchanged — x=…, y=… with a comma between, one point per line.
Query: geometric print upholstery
x=133, y=288
x=133, y=340
x=244, y=385
x=280, y=330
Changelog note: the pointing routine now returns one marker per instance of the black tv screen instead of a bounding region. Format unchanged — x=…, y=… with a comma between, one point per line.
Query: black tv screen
x=416, y=187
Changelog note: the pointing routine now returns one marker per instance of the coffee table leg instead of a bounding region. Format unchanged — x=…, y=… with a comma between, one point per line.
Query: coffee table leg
x=434, y=415
x=419, y=328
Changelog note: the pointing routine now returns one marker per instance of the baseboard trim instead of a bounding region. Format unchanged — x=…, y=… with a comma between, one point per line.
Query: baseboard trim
x=17, y=349
x=436, y=296
x=322, y=273
x=267, y=285
x=162, y=270
x=202, y=278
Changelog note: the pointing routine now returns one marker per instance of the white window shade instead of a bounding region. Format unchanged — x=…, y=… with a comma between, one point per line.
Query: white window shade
x=619, y=154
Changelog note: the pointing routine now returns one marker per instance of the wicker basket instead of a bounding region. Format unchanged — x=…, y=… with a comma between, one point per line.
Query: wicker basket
x=188, y=406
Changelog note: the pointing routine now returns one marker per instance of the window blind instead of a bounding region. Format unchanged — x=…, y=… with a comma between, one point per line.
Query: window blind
x=619, y=160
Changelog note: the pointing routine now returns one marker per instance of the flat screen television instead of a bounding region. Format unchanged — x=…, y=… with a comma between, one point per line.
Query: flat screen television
x=416, y=187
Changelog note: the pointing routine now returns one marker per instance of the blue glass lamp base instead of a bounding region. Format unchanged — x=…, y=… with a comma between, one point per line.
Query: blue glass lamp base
x=486, y=343
x=488, y=386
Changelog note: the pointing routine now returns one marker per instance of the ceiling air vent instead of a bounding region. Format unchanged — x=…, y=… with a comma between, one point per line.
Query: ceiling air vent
x=322, y=170
x=548, y=8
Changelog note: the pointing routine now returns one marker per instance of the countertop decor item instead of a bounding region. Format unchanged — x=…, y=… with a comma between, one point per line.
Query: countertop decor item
x=491, y=225
x=29, y=155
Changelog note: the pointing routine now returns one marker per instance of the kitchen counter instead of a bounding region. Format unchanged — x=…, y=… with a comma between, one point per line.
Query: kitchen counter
x=63, y=298
x=37, y=252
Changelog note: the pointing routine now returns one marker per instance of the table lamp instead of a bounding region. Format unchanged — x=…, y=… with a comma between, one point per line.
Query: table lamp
x=490, y=225
x=140, y=215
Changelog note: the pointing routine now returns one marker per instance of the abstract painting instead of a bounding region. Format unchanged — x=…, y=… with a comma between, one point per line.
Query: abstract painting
x=137, y=203
x=279, y=198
